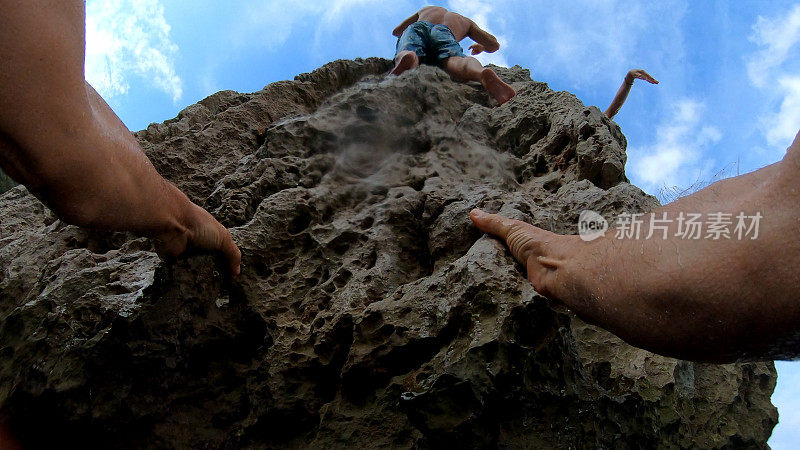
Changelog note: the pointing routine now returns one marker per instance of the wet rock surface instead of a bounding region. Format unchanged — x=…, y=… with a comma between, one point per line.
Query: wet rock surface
x=370, y=312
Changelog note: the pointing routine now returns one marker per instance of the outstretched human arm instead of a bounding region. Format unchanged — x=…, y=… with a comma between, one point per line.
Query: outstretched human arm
x=60, y=139
x=699, y=298
x=485, y=41
x=402, y=27
x=622, y=93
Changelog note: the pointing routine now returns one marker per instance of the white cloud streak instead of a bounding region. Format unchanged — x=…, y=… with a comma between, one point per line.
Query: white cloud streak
x=782, y=126
x=675, y=159
x=776, y=37
x=591, y=41
x=480, y=12
x=773, y=68
x=127, y=39
x=269, y=24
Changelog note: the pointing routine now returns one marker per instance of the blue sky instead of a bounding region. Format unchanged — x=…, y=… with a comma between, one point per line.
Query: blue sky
x=728, y=102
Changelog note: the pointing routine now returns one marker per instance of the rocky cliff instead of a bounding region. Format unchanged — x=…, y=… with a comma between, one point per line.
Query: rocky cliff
x=370, y=312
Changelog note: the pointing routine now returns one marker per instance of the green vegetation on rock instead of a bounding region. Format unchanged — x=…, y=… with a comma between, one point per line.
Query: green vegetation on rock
x=6, y=182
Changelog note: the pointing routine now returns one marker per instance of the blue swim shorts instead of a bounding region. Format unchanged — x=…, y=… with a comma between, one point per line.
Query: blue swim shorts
x=432, y=43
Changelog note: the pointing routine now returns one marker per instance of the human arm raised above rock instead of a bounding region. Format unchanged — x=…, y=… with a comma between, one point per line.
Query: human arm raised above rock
x=486, y=40
x=622, y=93
x=398, y=31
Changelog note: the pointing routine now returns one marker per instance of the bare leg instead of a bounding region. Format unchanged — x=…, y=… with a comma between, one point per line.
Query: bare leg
x=405, y=60
x=704, y=299
x=470, y=69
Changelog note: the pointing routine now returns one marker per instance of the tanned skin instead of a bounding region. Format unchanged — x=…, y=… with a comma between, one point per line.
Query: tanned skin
x=460, y=68
x=65, y=144
x=622, y=93
x=704, y=299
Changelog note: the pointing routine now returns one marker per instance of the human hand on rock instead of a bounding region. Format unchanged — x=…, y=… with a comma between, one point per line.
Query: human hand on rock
x=539, y=250
x=201, y=231
x=642, y=75
x=477, y=48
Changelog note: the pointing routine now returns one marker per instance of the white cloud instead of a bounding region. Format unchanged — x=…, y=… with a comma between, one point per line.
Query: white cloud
x=773, y=68
x=277, y=30
x=782, y=126
x=269, y=24
x=480, y=12
x=336, y=10
x=593, y=41
x=676, y=158
x=129, y=38
x=776, y=37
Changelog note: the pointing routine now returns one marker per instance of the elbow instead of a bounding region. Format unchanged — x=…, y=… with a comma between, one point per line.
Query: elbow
x=398, y=31
x=492, y=47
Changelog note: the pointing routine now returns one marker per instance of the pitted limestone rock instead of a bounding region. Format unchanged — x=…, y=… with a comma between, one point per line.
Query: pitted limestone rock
x=370, y=312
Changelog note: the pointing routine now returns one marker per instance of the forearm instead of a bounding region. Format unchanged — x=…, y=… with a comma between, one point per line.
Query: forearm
x=490, y=43
x=130, y=196
x=398, y=31
x=681, y=313
x=619, y=99
x=701, y=323
x=58, y=136
x=726, y=189
x=93, y=173
x=60, y=139
x=107, y=182
x=483, y=37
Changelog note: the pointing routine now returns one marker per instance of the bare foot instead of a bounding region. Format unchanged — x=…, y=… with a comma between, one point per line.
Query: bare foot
x=499, y=90
x=702, y=299
x=405, y=61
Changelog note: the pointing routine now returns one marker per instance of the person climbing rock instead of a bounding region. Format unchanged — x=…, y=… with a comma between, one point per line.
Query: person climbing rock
x=709, y=297
x=432, y=35
x=61, y=140
x=622, y=93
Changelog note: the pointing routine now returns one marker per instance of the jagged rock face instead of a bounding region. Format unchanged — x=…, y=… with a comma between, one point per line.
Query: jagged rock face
x=370, y=312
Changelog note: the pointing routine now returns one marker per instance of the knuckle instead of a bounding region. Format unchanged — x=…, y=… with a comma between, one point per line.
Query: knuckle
x=520, y=243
